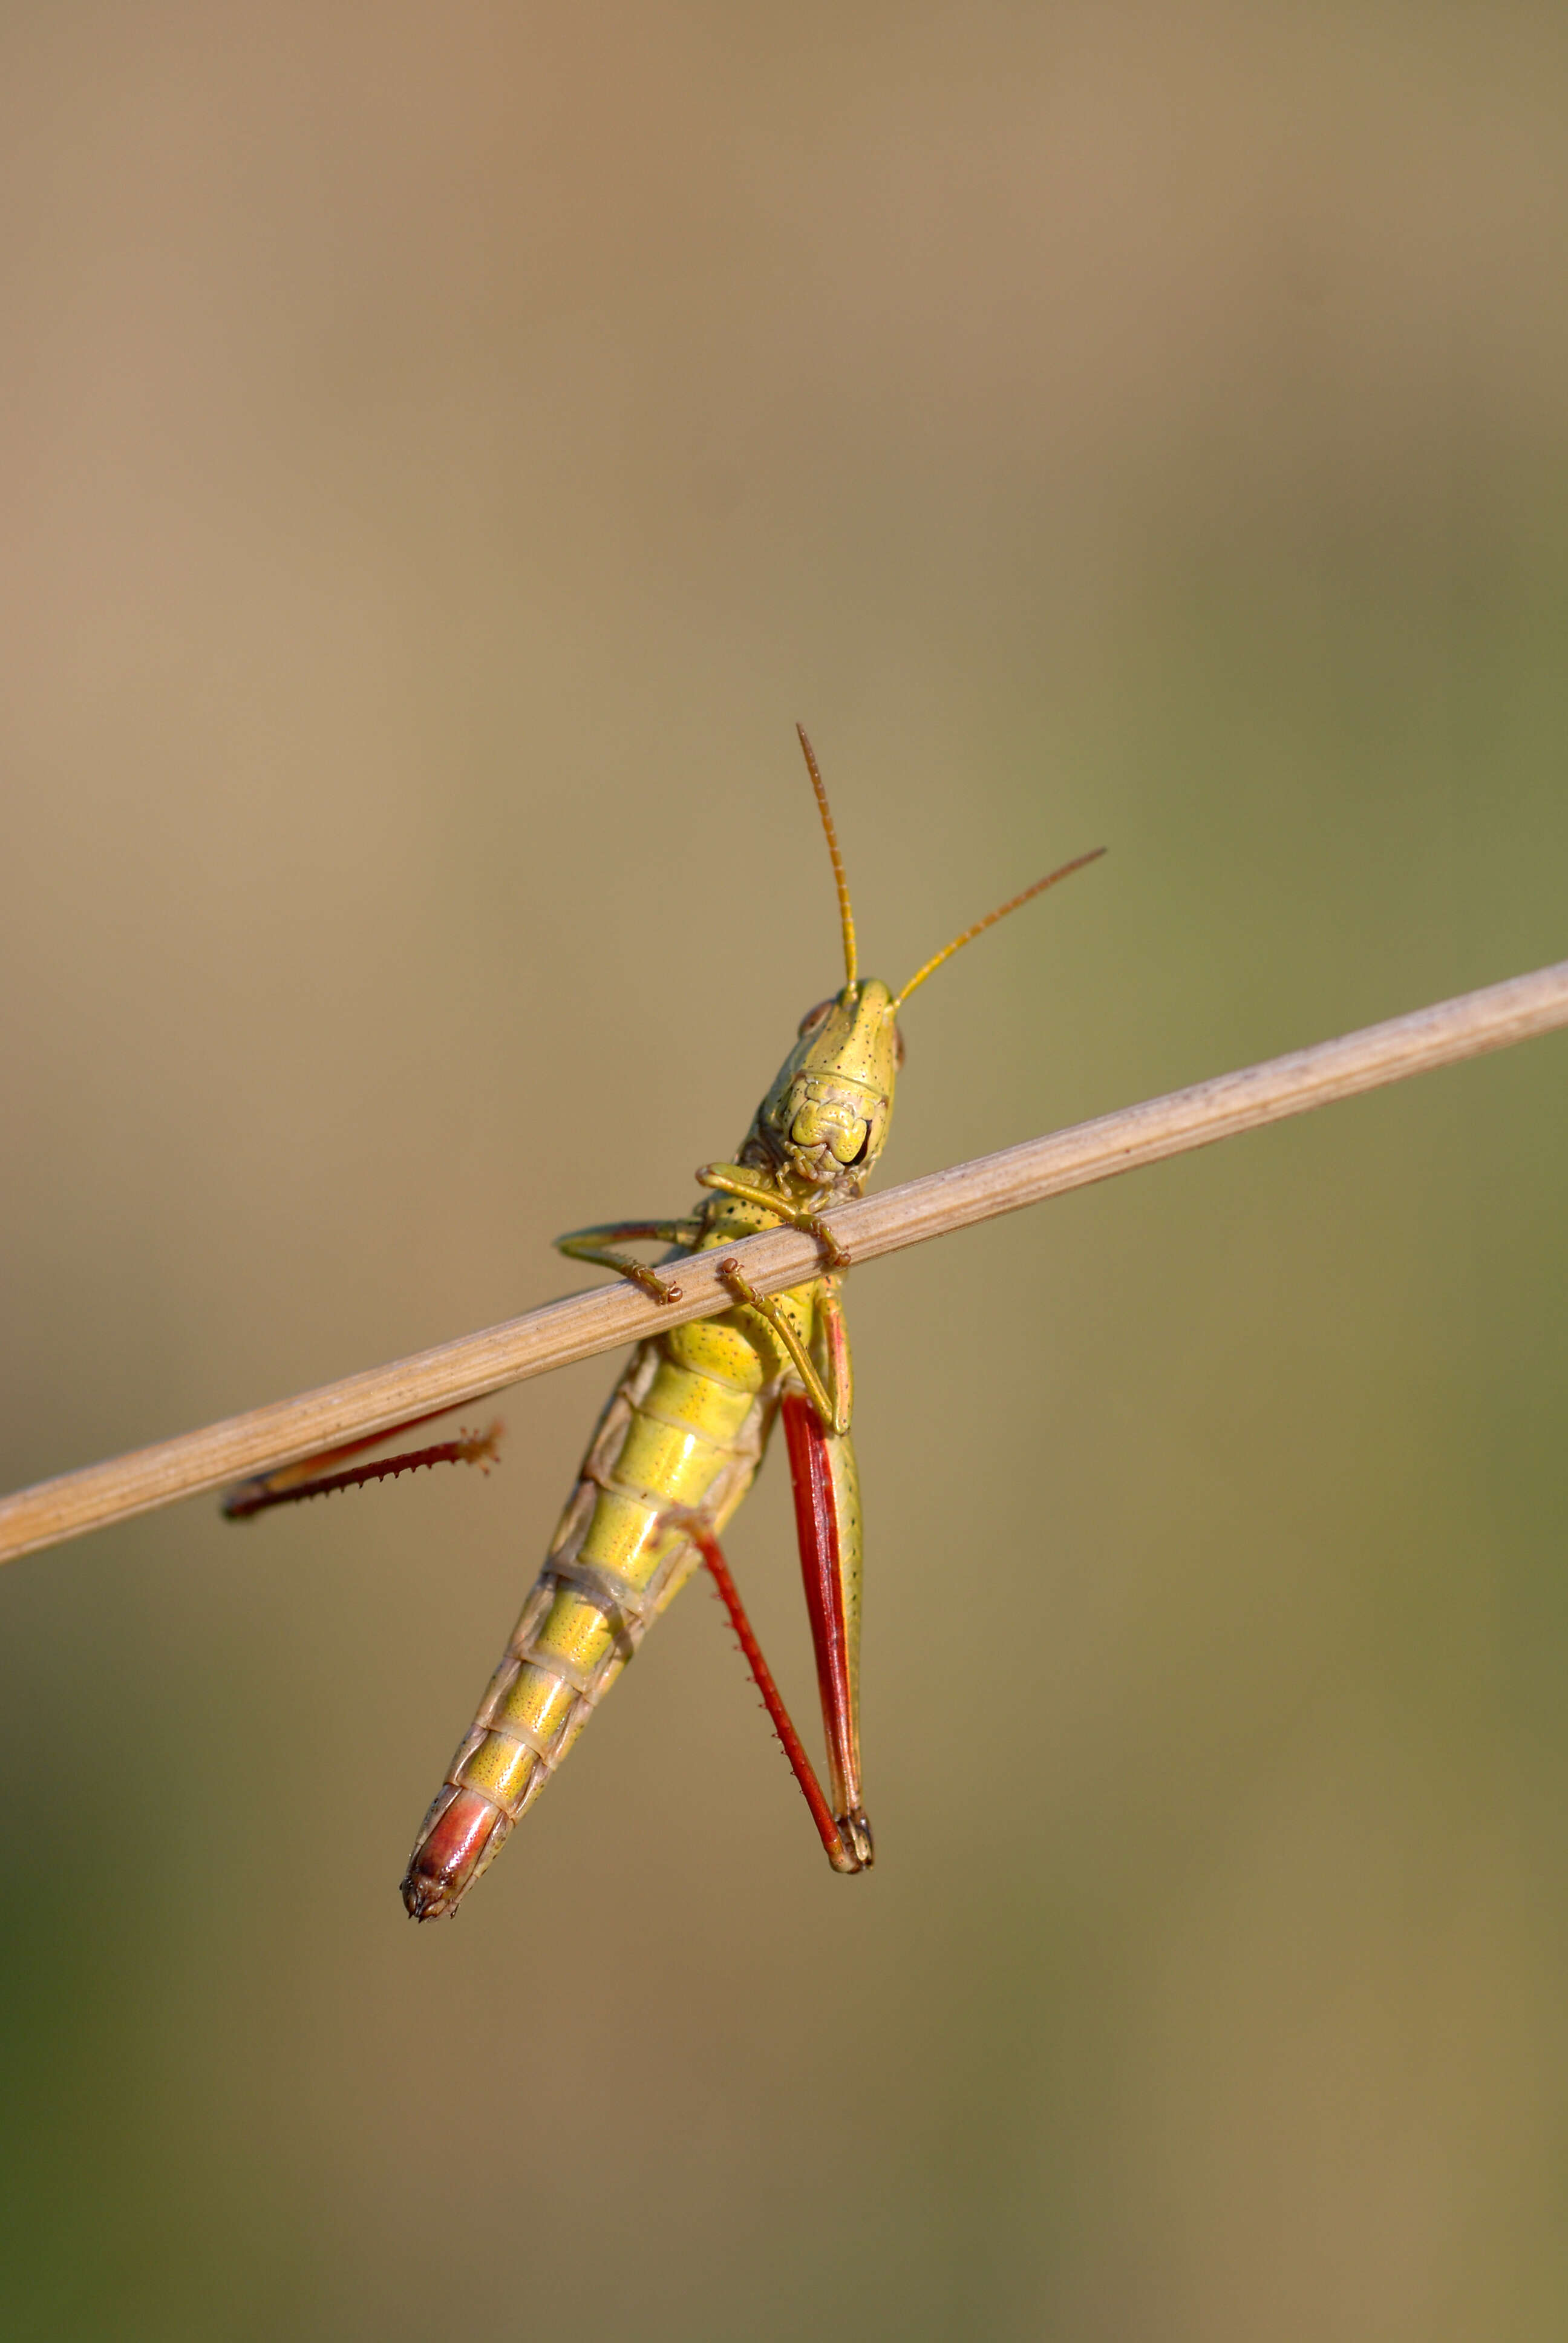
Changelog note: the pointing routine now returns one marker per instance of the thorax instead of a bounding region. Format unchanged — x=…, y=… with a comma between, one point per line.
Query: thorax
x=737, y=1348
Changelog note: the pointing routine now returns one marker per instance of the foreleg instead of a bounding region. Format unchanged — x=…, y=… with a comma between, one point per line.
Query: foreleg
x=729, y=1182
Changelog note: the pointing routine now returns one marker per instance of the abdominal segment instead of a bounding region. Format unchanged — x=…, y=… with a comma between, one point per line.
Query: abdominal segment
x=674, y=1437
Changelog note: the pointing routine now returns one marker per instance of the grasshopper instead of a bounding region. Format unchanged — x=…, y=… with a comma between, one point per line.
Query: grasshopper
x=681, y=1439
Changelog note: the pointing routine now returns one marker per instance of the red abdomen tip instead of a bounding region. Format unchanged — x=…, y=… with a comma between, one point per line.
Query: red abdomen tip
x=450, y=1856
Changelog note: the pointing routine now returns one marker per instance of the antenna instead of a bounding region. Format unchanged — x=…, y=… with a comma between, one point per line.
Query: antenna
x=991, y=918
x=846, y=916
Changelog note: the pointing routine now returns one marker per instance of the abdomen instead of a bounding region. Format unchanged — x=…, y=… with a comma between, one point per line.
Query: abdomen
x=685, y=1428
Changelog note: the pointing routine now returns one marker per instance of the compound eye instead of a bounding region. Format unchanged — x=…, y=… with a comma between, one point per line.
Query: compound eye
x=814, y=1017
x=898, y=1048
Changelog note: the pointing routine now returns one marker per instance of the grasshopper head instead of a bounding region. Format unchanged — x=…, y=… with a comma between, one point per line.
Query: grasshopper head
x=825, y=1119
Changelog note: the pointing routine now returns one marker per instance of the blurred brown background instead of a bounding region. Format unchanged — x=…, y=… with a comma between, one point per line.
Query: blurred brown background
x=442, y=451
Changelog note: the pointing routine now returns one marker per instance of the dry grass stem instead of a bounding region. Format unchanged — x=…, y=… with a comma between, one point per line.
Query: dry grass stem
x=609, y=1315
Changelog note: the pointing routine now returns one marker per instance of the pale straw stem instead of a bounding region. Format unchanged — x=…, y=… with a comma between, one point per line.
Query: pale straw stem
x=609, y=1315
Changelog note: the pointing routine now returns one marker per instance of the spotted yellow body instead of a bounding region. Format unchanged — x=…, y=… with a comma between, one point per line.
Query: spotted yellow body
x=680, y=1443
x=683, y=1433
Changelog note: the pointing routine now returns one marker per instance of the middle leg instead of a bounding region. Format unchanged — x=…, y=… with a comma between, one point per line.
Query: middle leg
x=601, y=1245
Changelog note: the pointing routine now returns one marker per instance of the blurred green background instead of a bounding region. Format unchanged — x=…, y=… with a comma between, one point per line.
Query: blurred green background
x=442, y=451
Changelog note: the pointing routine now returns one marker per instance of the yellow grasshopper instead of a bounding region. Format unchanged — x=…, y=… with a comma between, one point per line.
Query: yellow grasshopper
x=681, y=1441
